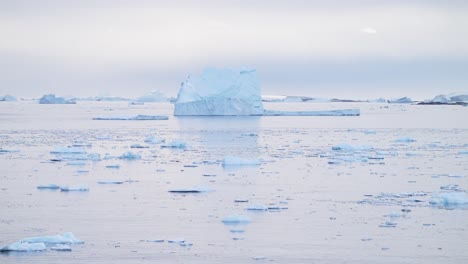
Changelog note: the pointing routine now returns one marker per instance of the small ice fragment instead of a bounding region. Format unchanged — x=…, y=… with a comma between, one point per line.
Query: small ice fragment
x=110, y=182
x=49, y=186
x=348, y=147
x=237, y=230
x=191, y=190
x=154, y=140
x=257, y=207
x=241, y=200
x=24, y=247
x=175, y=144
x=232, y=160
x=113, y=166
x=236, y=219
x=405, y=140
x=138, y=146
x=68, y=150
x=259, y=257
x=76, y=163
x=74, y=189
x=176, y=241
x=61, y=247
x=130, y=156
x=370, y=132
x=156, y=240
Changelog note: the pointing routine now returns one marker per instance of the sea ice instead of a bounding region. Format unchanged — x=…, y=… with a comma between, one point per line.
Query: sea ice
x=343, y=112
x=130, y=156
x=52, y=99
x=449, y=199
x=403, y=100
x=61, y=247
x=138, y=118
x=68, y=150
x=74, y=189
x=24, y=247
x=405, y=140
x=49, y=186
x=348, y=147
x=223, y=92
x=175, y=144
x=236, y=219
x=191, y=190
x=110, y=182
x=66, y=238
x=257, y=207
x=154, y=140
x=232, y=160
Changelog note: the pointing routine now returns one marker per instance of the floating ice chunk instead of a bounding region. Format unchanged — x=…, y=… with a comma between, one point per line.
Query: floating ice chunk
x=130, y=156
x=61, y=247
x=68, y=150
x=463, y=152
x=110, y=182
x=176, y=241
x=370, y=132
x=24, y=247
x=137, y=118
x=76, y=163
x=196, y=189
x=74, y=189
x=404, y=140
x=347, y=147
x=175, y=144
x=232, y=160
x=7, y=151
x=257, y=207
x=113, y=166
x=249, y=134
x=156, y=240
x=449, y=199
x=241, y=200
x=52, y=99
x=236, y=219
x=259, y=257
x=138, y=146
x=343, y=112
x=66, y=238
x=154, y=140
x=451, y=187
x=49, y=186
x=220, y=92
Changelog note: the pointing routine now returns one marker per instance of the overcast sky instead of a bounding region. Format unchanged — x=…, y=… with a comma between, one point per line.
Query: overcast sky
x=344, y=49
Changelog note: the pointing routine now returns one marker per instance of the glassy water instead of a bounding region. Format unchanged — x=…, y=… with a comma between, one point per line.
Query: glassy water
x=367, y=202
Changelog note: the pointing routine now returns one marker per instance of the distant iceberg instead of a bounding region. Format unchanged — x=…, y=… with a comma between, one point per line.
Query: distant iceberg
x=403, y=100
x=7, y=98
x=447, y=99
x=153, y=96
x=24, y=247
x=220, y=92
x=52, y=99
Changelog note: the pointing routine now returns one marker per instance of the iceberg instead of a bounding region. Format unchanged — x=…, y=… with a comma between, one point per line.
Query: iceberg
x=48, y=186
x=220, y=92
x=447, y=99
x=403, y=100
x=153, y=96
x=66, y=238
x=7, y=98
x=52, y=99
x=24, y=247
x=232, y=160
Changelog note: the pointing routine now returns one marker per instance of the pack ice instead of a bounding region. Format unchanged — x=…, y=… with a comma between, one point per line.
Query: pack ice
x=220, y=92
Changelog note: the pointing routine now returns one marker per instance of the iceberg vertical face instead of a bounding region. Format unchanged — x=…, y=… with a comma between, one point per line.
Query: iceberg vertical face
x=220, y=92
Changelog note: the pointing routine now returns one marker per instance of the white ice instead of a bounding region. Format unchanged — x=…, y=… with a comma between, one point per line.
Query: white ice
x=24, y=247
x=66, y=238
x=232, y=160
x=449, y=198
x=52, y=99
x=223, y=92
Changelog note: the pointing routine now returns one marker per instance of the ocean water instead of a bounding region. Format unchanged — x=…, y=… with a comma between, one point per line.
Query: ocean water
x=366, y=203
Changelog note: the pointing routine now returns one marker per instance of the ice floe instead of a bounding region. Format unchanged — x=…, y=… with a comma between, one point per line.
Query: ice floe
x=233, y=160
x=154, y=140
x=74, y=188
x=343, y=112
x=450, y=199
x=236, y=219
x=66, y=238
x=49, y=186
x=130, y=156
x=137, y=118
x=196, y=189
x=24, y=247
x=175, y=144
